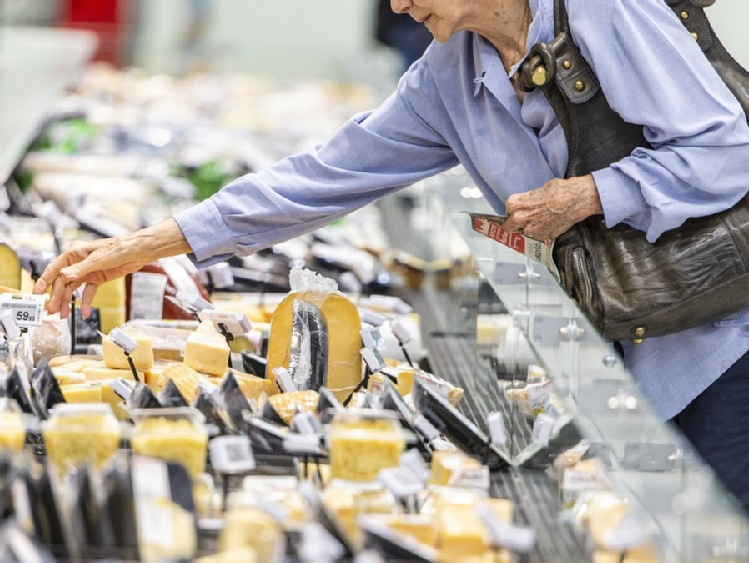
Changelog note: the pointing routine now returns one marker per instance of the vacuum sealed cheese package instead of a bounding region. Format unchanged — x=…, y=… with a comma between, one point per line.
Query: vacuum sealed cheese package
x=314, y=334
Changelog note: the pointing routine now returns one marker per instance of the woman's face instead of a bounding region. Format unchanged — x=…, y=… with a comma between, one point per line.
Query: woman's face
x=443, y=18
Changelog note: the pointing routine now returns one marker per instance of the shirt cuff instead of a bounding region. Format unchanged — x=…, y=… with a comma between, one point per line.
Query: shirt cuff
x=205, y=231
x=621, y=198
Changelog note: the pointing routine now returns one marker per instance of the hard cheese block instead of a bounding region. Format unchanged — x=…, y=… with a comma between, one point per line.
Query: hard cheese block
x=185, y=378
x=461, y=534
x=10, y=268
x=114, y=356
x=448, y=466
x=344, y=341
x=110, y=300
x=207, y=351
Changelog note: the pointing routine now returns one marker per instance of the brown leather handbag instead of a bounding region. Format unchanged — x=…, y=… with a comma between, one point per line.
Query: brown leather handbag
x=630, y=288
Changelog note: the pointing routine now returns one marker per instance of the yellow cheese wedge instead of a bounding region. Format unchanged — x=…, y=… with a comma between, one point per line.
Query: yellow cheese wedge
x=109, y=397
x=89, y=392
x=97, y=374
x=10, y=268
x=253, y=528
x=447, y=466
x=111, y=317
x=185, y=378
x=344, y=341
x=288, y=404
x=74, y=363
x=460, y=531
x=114, y=356
x=420, y=528
x=359, y=450
x=12, y=432
x=110, y=294
x=253, y=387
x=69, y=377
x=207, y=351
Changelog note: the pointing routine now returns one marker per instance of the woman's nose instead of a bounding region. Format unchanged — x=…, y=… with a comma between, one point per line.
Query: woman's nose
x=400, y=6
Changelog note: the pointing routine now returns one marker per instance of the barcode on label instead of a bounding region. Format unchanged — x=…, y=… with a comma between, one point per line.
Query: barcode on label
x=231, y=454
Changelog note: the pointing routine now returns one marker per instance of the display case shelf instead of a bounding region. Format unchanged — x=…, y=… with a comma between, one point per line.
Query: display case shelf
x=36, y=65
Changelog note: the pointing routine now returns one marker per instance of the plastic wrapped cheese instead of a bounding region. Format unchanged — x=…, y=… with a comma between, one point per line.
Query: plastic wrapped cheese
x=363, y=443
x=207, y=351
x=249, y=527
x=171, y=435
x=10, y=268
x=12, y=428
x=77, y=434
x=342, y=324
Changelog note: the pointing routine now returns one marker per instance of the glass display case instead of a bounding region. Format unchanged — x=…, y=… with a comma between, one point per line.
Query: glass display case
x=519, y=316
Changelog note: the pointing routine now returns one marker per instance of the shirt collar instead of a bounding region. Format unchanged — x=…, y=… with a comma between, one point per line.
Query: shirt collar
x=540, y=30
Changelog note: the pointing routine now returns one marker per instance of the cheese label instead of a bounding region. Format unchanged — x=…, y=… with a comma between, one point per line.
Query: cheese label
x=147, y=295
x=27, y=309
x=231, y=454
x=152, y=496
x=472, y=477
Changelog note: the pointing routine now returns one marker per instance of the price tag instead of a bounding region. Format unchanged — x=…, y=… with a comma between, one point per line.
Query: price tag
x=122, y=340
x=373, y=359
x=236, y=324
x=27, y=310
x=8, y=325
x=473, y=477
x=497, y=432
x=284, y=380
x=401, y=331
x=502, y=534
x=371, y=338
x=231, y=454
x=426, y=428
x=542, y=430
x=302, y=443
x=147, y=295
x=400, y=481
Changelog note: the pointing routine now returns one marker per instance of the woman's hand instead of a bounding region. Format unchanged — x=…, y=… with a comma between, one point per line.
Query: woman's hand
x=545, y=213
x=96, y=262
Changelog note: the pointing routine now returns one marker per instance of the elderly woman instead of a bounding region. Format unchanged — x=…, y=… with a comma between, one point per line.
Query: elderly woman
x=459, y=104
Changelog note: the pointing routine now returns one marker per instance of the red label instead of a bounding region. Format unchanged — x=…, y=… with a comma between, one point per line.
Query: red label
x=495, y=231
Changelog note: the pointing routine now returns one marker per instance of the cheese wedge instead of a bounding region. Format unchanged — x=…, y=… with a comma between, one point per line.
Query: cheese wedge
x=114, y=356
x=89, y=392
x=253, y=528
x=97, y=374
x=185, y=378
x=10, y=268
x=207, y=351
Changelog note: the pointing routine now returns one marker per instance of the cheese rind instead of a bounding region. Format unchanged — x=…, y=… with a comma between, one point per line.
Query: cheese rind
x=207, y=351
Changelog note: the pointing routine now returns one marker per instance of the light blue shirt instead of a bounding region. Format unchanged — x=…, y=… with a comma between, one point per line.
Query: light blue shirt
x=457, y=105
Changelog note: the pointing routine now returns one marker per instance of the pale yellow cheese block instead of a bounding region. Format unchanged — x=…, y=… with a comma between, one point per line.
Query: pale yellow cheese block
x=404, y=384
x=89, y=392
x=69, y=377
x=206, y=350
x=287, y=405
x=76, y=360
x=461, y=533
x=142, y=356
x=112, y=317
x=447, y=465
x=10, y=268
x=419, y=528
x=359, y=450
x=185, y=378
x=241, y=555
x=605, y=512
x=647, y=553
x=344, y=341
x=110, y=294
x=253, y=528
x=99, y=373
x=253, y=387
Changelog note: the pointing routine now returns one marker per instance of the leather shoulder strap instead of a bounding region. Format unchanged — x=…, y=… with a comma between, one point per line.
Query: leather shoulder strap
x=561, y=19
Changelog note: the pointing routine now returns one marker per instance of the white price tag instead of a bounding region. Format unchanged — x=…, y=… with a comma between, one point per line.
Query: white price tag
x=400, y=481
x=152, y=495
x=473, y=477
x=426, y=428
x=373, y=359
x=122, y=340
x=236, y=324
x=497, y=432
x=147, y=295
x=284, y=380
x=502, y=534
x=8, y=325
x=372, y=338
x=231, y=454
x=302, y=443
x=542, y=429
x=27, y=310
x=401, y=331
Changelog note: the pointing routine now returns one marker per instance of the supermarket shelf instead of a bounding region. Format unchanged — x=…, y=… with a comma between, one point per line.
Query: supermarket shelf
x=36, y=65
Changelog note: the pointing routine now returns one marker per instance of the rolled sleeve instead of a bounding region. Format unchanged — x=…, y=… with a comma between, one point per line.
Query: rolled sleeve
x=621, y=199
x=206, y=233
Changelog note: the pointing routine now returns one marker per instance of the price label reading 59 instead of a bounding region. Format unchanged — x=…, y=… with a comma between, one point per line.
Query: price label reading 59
x=26, y=309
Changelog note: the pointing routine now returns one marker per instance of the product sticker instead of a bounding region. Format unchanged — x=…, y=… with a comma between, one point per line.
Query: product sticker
x=575, y=482
x=147, y=295
x=27, y=309
x=472, y=477
x=231, y=454
x=538, y=396
x=152, y=495
x=491, y=227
